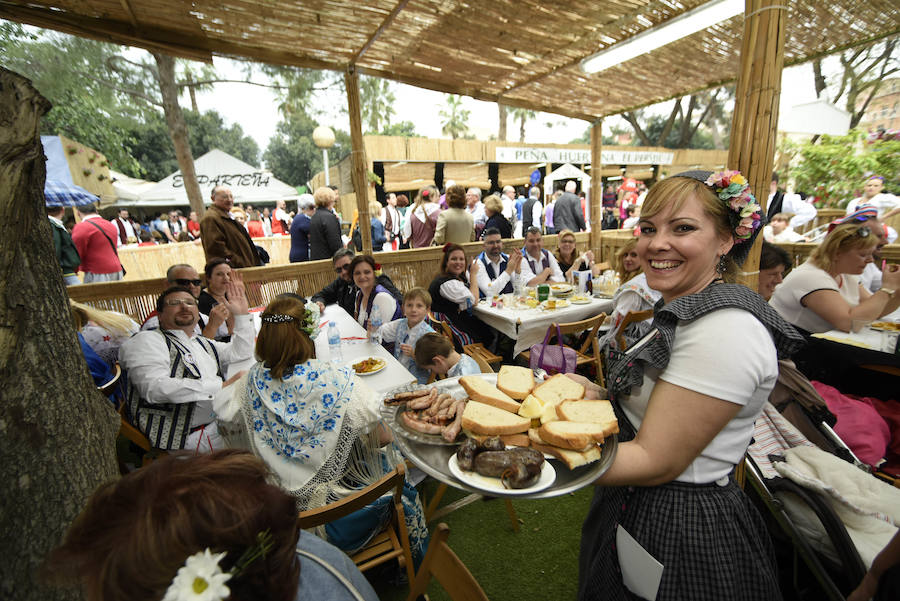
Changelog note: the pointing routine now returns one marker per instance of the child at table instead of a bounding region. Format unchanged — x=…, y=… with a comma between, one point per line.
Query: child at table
x=406, y=331
x=435, y=353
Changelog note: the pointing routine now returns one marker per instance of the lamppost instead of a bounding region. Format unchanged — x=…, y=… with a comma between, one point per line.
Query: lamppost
x=323, y=137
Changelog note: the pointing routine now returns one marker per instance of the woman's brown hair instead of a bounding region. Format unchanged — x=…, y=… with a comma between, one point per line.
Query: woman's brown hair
x=449, y=249
x=456, y=197
x=842, y=238
x=367, y=259
x=136, y=532
x=559, y=255
x=281, y=346
x=674, y=191
x=629, y=246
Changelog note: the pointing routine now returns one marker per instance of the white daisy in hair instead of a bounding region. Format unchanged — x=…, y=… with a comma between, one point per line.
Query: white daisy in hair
x=200, y=579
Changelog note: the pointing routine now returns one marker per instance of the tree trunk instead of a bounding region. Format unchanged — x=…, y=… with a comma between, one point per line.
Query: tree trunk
x=636, y=126
x=501, y=131
x=165, y=66
x=664, y=134
x=59, y=433
x=818, y=78
x=193, y=93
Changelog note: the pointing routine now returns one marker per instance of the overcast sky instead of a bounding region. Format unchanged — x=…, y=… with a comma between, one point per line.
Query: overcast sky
x=245, y=105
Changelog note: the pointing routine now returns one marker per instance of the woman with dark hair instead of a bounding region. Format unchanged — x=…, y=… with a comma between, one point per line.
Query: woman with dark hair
x=493, y=208
x=212, y=300
x=455, y=225
x=316, y=425
x=370, y=295
x=687, y=398
x=773, y=262
x=453, y=294
x=212, y=523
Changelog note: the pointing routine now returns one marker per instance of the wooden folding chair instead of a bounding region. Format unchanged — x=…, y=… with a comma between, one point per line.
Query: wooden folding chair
x=633, y=317
x=133, y=435
x=477, y=348
x=389, y=544
x=480, y=359
x=107, y=388
x=590, y=349
x=442, y=563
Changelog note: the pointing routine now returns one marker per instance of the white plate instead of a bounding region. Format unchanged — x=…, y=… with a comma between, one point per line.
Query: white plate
x=560, y=304
x=368, y=373
x=575, y=301
x=487, y=484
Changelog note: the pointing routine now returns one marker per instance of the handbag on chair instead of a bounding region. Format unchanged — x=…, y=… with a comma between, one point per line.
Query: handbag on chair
x=553, y=358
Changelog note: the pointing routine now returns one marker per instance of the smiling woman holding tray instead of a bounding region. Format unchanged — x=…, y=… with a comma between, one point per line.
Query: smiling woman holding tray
x=687, y=396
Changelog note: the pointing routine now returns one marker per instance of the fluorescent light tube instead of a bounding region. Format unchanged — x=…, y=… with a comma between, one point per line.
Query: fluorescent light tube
x=694, y=20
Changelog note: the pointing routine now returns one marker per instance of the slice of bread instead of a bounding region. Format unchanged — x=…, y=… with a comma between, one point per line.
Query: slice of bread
x=559, y=388
x=571, y=459
x=571, y=435
x=517, y=382
x=511, y=440
x=483, y=391
x=592, y=412
x=487, y=419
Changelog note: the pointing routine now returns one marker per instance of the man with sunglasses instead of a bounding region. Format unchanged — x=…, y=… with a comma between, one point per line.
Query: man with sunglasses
x=341, y=290
x=185, y=276
x=175, y=376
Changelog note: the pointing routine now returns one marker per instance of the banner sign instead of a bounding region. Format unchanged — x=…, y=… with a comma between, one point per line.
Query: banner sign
x=257, y=179
x=506, y=154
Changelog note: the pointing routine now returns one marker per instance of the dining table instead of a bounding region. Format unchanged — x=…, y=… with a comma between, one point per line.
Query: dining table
x=355, y=347
x=527, y=326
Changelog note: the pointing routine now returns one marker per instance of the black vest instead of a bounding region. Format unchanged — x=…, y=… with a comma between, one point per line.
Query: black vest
x=775, y=206
x=527, y=210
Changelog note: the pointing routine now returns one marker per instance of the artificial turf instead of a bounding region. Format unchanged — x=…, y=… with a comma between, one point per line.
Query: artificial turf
x=538, y=563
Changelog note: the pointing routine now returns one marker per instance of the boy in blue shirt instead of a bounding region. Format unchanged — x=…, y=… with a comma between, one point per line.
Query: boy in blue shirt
x=436, y=354
x=406, y=331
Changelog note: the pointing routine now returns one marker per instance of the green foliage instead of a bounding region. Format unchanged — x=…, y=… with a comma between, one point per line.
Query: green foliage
x=585, y=138
x=297, y=85
x=403, y=128
x=154, y=151
x=291, y=154
x=834, y=169
x=655, y=125
x=376, y=99
x=454, y=118
x=522, y=116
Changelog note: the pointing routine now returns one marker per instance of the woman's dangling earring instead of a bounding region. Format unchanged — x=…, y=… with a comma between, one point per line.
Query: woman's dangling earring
x=722, y=265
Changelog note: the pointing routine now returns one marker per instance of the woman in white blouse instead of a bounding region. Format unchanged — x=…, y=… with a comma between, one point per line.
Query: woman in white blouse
x=454, y=294
x=370, y=295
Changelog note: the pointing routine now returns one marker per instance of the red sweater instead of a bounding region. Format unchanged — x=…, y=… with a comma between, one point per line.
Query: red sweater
x=97, y=255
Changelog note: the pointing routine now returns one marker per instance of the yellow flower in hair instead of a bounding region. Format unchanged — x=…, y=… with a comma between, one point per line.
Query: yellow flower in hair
x=738, y=179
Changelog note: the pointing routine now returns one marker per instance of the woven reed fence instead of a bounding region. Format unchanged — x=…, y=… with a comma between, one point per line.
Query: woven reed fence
x=407, y=269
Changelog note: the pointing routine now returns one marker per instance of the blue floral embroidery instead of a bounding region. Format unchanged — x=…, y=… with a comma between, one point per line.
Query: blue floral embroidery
x=257, y=403
x=276, y=397
x=313, y=375
x=292, y=408
x=258, y=425
x=328, y=424
x=327, y=400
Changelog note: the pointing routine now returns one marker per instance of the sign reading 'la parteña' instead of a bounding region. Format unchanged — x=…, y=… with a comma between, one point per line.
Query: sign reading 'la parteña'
x=257, y=178
x=513, y=154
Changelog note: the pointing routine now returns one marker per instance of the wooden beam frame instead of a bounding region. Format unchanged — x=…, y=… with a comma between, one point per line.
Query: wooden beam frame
x=378, y=32
x=358, y=159
x=596, y=185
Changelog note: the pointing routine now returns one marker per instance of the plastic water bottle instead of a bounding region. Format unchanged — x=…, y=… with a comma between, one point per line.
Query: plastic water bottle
x=375, y=322
x=334, y=342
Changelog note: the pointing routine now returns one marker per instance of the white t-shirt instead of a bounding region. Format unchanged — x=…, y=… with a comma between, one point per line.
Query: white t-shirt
x=456, y=291
x=800, y=282
x=386, y=305
x=729, y=355
x=528, y=274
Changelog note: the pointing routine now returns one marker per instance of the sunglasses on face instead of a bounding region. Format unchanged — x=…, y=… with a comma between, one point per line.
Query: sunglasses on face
x=340, y=270
x=174, y=302
x=186, y=282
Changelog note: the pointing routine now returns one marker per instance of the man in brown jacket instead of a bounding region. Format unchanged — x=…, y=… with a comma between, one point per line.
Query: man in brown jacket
x=224, y=237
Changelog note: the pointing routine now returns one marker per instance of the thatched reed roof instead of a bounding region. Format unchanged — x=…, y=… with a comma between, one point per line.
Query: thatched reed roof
x=520, y=52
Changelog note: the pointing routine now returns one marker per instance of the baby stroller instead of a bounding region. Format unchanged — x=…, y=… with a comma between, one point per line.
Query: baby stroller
x=816, y=494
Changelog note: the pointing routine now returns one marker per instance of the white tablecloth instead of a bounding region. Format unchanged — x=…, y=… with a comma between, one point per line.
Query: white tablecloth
x=876, y=340
x=528, y=326
x=354, y=348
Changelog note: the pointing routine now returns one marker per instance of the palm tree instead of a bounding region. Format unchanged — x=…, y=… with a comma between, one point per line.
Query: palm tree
x=377, y=98
x=522, y=115
x=454, y=117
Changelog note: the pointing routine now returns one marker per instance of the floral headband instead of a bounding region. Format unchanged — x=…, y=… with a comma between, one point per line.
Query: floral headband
x=309, y=324
x=744, y=213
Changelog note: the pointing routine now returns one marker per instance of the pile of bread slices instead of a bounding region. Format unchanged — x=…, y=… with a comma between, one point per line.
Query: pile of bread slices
x=552, y=417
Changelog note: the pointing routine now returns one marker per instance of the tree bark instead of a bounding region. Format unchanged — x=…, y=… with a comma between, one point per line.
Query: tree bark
x=636, y=126
x=676, y=108
x=358, y=160
x=165, y=67
x=58, y=441
x=818, y=78
x=501, y=131
x=192, y=92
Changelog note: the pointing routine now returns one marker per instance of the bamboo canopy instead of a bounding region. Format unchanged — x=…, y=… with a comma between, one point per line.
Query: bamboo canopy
x=523, y=54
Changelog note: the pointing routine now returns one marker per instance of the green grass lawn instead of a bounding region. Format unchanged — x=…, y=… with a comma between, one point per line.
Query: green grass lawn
x=538, y=563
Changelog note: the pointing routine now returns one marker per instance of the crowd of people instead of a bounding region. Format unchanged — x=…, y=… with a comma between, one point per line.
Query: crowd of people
x=315, y=426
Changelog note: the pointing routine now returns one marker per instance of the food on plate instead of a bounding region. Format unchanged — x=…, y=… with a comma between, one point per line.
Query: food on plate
x=404, y=397
x=559, y=388
x=561, y=287
x=550, y=304
x=515, y=381
x=483, y=391
x=511, y=440
x=886, y=325
x=574, y=436
x=572, y=459
x=580, y=298
x=531, y=407
x=593, y=412
x=548, y=413
x=515, y=467
x=368, y=365
x=488, y=419
x=430, y=412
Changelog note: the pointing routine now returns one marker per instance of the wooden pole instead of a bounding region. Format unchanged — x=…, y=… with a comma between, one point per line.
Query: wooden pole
x=358, y=155
x=596, y=187
x=755, y=119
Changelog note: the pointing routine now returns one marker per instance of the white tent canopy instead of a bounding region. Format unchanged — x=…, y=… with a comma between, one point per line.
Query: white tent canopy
x=817, y=117
x=129, y=189
x=216, y=168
